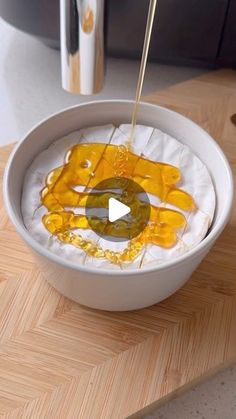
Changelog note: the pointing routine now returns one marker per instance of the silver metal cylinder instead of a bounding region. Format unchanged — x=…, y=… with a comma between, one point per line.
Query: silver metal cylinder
x=82, y=45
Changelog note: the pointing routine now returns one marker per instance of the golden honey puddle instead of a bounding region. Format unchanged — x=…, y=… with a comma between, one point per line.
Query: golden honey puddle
x=88, y=164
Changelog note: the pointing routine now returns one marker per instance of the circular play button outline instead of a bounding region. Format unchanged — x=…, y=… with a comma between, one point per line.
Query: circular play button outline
x=119, y=199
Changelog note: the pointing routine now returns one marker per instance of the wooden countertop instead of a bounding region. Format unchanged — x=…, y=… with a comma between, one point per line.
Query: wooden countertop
x=60, y=360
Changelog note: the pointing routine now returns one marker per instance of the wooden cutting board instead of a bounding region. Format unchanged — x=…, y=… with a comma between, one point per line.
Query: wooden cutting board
x=60, y=360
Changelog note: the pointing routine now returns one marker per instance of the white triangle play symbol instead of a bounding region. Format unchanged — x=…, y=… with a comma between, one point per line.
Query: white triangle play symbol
x=116, y=209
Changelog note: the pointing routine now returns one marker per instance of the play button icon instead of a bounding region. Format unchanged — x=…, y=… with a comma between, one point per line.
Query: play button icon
x=117, y=210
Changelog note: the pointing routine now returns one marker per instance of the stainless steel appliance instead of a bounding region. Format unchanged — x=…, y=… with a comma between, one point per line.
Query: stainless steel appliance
x=82, y=45
x=187, y=32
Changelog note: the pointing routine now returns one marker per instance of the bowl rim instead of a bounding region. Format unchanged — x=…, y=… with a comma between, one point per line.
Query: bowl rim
x=38, y=248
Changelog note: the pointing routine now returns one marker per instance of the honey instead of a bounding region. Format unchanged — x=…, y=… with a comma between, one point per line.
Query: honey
x=88, y=164
x=146, y=44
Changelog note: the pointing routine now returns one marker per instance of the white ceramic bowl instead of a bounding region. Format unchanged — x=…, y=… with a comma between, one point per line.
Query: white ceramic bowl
x=108, y=289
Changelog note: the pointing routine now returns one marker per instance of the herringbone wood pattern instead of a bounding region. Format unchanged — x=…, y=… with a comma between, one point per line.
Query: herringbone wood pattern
x=60, y=360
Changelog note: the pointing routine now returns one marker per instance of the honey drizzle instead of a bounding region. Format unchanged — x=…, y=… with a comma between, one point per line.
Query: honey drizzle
x=88, y=164
x=146, y=44
x=81, y=161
